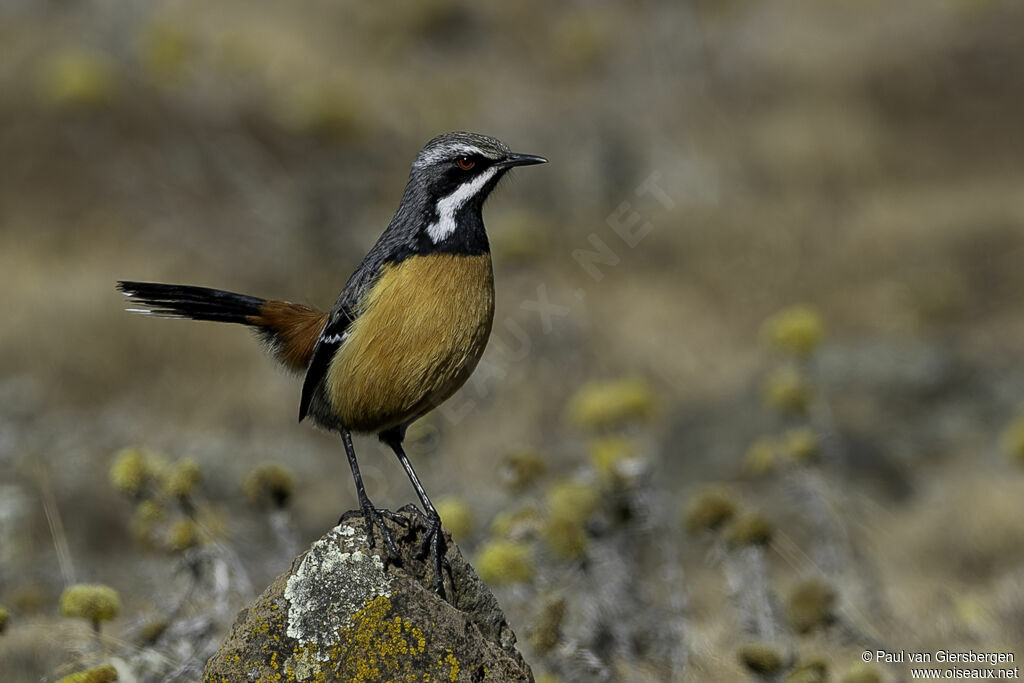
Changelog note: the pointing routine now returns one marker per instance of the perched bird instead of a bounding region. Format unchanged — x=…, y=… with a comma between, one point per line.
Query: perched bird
x=408, y=328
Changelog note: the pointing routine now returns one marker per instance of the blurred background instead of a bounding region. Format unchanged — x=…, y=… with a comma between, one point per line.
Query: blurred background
x=753, y=402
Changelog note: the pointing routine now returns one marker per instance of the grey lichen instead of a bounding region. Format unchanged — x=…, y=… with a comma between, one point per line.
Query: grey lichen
x=338, y=615
x=335, y=568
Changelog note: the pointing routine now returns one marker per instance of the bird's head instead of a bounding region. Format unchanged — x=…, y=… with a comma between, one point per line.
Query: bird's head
x=455, y=172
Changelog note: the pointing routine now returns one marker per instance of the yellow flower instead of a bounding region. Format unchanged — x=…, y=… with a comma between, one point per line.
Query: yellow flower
x=93, y=601
x=814, y=670
x=801, y=445
x=329, y=108
x=1013, y=440
x=797, y=330
x=761, y=658
x=573, y=500
x=604, y=404
x=545, y=632
x=515, y=524
x=786, y=390
x=165, y=53
x=614, y=458
x=97, y=674
x=182, y=535
x=709, y=509
x=269, y=482
x=78, y=77
x=521, y=468
x=503, y=562
x=809, y=605
x=184, y=478
x=861, y=673
x=749, y=529
x=762, y=456
x=567, y=538
x=129, y=471
x=456, y=516
x=150, y=511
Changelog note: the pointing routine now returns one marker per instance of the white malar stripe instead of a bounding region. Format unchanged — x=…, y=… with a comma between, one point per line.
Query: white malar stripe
x=449, y=151
x=450, y=205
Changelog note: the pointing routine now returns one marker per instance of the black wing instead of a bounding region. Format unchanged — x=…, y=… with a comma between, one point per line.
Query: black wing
x=327, y=345
x=346, y=308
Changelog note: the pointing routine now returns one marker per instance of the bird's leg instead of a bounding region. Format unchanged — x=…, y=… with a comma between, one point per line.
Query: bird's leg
x=371, y=515
x=433, y=539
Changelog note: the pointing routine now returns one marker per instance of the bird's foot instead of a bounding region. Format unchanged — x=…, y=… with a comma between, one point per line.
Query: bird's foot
x=374, y=517
x=434, y=544
x=412, y=510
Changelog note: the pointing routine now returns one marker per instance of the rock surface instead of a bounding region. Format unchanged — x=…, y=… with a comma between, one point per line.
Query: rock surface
x=339, y=615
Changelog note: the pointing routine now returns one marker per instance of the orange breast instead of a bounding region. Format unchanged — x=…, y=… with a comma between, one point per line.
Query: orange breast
x=420, y=333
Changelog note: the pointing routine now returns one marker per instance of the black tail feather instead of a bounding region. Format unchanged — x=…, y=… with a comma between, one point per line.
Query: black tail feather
x=195, y=303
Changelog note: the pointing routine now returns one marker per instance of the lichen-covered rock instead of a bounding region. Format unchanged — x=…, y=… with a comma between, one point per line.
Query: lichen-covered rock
x=339, y=615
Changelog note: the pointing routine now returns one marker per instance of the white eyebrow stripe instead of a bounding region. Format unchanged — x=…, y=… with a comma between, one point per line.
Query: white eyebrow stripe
x=445, y=151
x=450, y=205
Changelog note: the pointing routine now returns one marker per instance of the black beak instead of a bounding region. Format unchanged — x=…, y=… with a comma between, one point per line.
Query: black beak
x=514, y=159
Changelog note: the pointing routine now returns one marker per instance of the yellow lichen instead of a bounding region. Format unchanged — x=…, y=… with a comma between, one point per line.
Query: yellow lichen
x=453, y=664
x=378, y=647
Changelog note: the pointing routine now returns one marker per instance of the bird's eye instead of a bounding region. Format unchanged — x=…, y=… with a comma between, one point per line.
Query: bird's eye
x=465, y=163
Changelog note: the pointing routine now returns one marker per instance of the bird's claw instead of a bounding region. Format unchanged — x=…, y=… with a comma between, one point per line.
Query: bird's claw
x=434, y=544
x=374, y=517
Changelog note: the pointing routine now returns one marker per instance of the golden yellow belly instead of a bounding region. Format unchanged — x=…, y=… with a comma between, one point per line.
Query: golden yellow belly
x=420, y=333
